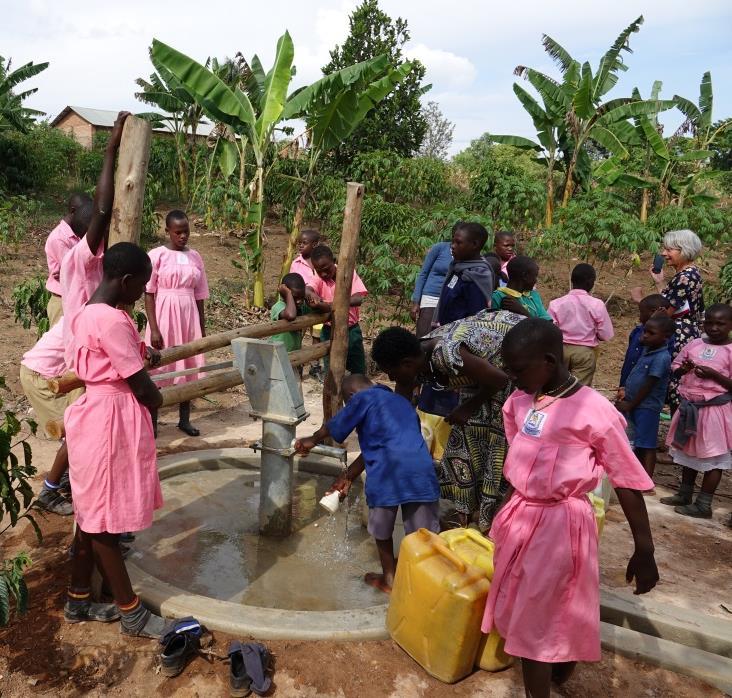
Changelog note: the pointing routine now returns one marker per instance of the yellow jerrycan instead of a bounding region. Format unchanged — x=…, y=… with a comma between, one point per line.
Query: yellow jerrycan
x=436, y=606
x=475, y=549
x=598, y=504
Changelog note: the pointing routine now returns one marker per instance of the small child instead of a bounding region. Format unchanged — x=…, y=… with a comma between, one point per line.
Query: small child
x=60, y=240
x=647, y=307
x=645, y=389
x=320, y=297
x=519, y=295
x=544, y=597
x=399, y=469
x=700, y=435
x=584, y=322
x=112, y=462
x=307, y=241
x=469, y=282
x=174, y=304
x=288, y=307
x=504, y=245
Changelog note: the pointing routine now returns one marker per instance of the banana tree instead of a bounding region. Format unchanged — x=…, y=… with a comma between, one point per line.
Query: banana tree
x=253, y=123
x=182, y=115
x=700, y=124
x=13, y=115
x=333, y=107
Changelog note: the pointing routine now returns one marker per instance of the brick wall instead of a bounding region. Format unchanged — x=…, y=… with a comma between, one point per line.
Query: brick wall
x=76, y=127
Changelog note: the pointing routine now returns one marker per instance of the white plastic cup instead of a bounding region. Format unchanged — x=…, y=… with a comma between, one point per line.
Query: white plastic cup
x=331, y=502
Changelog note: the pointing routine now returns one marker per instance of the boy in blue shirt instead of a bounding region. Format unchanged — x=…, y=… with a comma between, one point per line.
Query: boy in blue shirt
x=469, y=282
x=399, y=468
x=645, y=389
x=646, y=308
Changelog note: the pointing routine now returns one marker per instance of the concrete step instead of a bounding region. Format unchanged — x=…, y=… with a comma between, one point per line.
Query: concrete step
x=667, y=622
x=711, y=668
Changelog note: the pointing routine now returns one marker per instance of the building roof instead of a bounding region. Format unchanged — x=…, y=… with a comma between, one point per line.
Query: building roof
x=105, y=118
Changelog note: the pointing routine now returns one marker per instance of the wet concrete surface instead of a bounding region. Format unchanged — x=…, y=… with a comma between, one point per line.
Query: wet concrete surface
x=205, y=540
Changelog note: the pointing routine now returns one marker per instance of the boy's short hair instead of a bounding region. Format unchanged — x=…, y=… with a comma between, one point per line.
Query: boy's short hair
x=311, y=233
x=664, y=323
x=584, y=276
x=520, y=265
x=174, y=216
x=723, y=308
x=655, y=301
x=534, y=335
x=78, y=199
x=501, y=235
x=125, y=258
x=393, y=345
x=357, y=380
x=294, y=281
x=475, y=232
x=322, y=252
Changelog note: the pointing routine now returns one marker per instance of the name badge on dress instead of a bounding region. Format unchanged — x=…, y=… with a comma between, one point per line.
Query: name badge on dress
x=182, y=258
x=452, y=282
x=534, y=423
x=708, y=353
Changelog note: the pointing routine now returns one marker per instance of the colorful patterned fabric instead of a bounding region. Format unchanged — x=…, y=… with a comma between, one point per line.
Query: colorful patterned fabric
x=471, y=471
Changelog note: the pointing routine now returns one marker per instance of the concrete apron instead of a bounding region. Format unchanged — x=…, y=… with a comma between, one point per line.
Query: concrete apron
x=240, y=619
x=659, y=634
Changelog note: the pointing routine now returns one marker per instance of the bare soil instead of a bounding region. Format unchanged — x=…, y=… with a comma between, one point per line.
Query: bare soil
x=41, y=655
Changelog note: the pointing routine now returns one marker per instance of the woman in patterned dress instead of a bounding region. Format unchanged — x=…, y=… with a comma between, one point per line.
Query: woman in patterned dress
x=471, y=470
x=684, y=292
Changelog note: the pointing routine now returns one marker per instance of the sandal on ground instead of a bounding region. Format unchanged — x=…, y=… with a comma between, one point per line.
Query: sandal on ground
x=694, y=511
x=88, y=610
x=188, y=428
x=250, y=664
x=181, y=639
x=54, y=502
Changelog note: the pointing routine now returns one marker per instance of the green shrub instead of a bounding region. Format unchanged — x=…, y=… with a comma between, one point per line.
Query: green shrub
x=711, y=223
x=30, y=299
x=16, y=216
x=16, y=496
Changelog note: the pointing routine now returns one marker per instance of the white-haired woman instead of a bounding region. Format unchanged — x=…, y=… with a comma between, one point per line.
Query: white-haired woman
x=684, y=292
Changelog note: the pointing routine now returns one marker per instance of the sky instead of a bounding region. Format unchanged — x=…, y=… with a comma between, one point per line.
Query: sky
x=97, y=49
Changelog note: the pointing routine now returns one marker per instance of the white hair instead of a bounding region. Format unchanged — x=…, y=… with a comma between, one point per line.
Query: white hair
x=687, y=241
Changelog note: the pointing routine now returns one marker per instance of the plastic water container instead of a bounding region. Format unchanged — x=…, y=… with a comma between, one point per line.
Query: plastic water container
x=471, y=547
x=475, y=549
x=436, y=606
x=598, y=504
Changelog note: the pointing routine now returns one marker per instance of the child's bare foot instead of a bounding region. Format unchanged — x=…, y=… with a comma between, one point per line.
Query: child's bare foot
x=377, y=581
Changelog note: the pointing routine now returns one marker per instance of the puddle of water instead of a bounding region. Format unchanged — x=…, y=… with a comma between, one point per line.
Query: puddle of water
x=205, y=540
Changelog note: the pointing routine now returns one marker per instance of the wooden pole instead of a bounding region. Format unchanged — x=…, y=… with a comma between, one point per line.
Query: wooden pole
x=69, y=381
x=212, y=384
x=232, y=377
x=332, y=397
x=129, y=181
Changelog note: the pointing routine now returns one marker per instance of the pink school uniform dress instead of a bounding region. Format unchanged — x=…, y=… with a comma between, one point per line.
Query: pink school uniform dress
x=59, y=241
x=545, y=595
x=178, y=280
x=301, y=266
x=326, y=290
x=81, y=273
x=112, y=461
x=710, y=447
x=583, y=319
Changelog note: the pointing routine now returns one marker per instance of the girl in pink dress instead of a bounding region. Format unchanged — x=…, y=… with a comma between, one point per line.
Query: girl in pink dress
x=112, y=463
x=544, y=599
x=174, y=305
x=700, y=436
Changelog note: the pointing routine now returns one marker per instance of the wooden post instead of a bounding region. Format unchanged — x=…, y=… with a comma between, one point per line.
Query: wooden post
x=129, y=181
x=332, y=397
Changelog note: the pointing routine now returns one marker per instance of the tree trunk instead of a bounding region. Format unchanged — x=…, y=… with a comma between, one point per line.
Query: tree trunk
x=549, y=212
x=569, y=182
x=644, y=205
x=294, y=232
x=332, y=394
x=129, y=181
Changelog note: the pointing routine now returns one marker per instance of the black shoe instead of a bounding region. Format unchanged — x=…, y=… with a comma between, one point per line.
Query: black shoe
x=251, y=662
x=180, y=640
x=54, y=502
x=239, y=681
x=78, y=612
